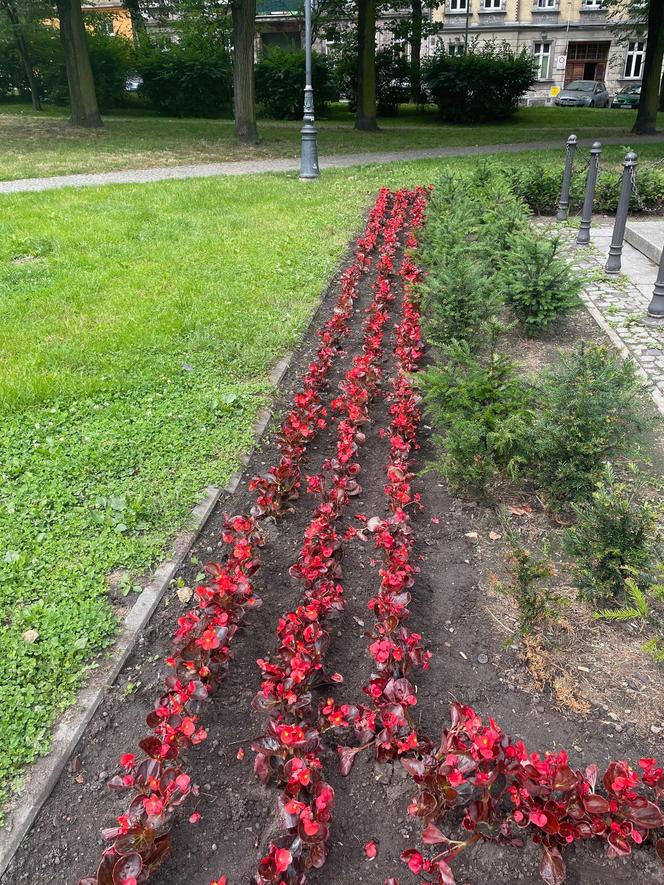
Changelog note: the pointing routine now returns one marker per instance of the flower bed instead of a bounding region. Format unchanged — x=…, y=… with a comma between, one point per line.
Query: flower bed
x=500, y=792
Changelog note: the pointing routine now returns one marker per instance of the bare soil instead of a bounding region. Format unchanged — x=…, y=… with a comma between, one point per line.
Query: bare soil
x=460, y=619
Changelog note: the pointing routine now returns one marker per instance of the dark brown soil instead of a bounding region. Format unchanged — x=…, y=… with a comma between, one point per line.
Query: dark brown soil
x=449, y=608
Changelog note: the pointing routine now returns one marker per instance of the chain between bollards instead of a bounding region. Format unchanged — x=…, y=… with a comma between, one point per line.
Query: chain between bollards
x=563, y=205
x=613, y=262
x=583, y=238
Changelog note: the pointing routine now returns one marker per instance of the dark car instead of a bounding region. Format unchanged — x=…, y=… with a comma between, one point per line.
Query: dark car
x=584, y=94
x=628, y=97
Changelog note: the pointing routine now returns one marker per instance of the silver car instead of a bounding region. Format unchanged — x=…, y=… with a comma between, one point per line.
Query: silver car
x=584, y=94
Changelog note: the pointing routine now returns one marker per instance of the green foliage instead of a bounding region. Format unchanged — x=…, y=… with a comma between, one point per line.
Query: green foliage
x=538, y=184
x=483, y=409
x=536, y=281
x=280, y=77
x=591, y=408
x=186, y=79
x=459, y=299
x=482, y=85
x=637, y=607
x=529, y=586
x=111, y=58
x=614, y=538
x=392, y=77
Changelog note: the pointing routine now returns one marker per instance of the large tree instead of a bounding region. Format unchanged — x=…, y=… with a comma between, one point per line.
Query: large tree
x=84, y=110
x=646, y=118
x=639, y=20
x=365, y=115
x=138, y=28
x=243, y=13
x=23, y=48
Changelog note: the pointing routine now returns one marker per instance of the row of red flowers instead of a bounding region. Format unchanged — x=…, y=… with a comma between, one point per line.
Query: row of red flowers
x=290, y=750
x=201, y=653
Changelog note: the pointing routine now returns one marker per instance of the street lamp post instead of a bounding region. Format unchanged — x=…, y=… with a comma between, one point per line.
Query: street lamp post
x=309, y=149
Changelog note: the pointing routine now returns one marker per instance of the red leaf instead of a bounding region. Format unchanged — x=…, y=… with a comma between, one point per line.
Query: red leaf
x=552, y=867
x=346, y=759
x=371, y=850
x=432, y=835
x=595, y=804
x=647, y=816
x=127, y=867
x=564, y=779
x=445, y=874
x=659, y=848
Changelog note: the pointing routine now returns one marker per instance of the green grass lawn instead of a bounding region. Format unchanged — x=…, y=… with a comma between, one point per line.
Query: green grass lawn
x=138, y=325
x=34, y=145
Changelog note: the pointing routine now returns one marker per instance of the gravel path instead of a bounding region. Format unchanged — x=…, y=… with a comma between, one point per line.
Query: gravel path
x=248, y=167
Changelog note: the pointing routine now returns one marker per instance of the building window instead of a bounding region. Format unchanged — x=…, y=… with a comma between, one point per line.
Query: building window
x=634, y=59
x=457, y=5
x=546, y=4
x=542, y=54
x=592, y=4
x=491, y=4
x=456, y=49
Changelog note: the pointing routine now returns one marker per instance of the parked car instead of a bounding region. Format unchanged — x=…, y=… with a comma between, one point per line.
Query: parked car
x=133, y=83
x=584, y=94
x=628, y=97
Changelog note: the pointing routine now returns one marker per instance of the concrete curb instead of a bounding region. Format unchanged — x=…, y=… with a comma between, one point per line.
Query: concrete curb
x=42, y=776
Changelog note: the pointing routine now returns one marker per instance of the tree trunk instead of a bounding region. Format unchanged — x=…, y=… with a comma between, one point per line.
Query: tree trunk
x=365, y=115
x=23, y=51
x=243, y=13
x=646, y=119
x=138, y=28
x=415, y=53
x=661, y=94
x=83, y=100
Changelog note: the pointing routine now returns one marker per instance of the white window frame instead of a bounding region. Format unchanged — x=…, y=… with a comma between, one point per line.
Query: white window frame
x=457, y=5
x=492, y=5
x=456, y=49
x=636, y=52
x=542, y=52
x=546, y=4
x=591, y=4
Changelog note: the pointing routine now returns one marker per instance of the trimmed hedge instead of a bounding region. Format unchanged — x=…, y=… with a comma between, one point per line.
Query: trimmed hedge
x=280, y=77
x=481, y=85
x=539, y=186
x=392, y=79
x=184, y=80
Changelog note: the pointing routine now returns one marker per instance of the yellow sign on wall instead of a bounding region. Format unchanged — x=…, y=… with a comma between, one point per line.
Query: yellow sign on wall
x=554, y=91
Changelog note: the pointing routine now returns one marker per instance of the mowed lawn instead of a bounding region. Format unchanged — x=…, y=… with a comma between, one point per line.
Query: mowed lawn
x=41, y=145
x=138, y=325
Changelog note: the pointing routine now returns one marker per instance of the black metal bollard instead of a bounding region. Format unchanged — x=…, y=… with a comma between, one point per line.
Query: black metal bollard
x=563, y=205
x=626, y=186
x=656, y=306
x=583, y=238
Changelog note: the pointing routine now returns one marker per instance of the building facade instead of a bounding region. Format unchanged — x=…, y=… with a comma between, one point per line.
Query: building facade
x=570, y=39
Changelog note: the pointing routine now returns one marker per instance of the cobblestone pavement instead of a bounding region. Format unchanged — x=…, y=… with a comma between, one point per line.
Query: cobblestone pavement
x=619, y=304
x=248, y=167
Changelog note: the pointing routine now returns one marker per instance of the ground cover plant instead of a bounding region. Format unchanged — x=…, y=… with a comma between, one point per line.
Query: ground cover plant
x=34, y=145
